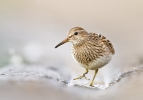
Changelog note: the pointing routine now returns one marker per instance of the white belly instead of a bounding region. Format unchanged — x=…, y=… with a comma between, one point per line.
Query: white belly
x=98, y=63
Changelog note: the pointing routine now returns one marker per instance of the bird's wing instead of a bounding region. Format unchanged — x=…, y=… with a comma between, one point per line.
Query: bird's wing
x=101, y=38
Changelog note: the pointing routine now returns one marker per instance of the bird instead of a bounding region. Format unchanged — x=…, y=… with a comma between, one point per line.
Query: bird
x=90, y=50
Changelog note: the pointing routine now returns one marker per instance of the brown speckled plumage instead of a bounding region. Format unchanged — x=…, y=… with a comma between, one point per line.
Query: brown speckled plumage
x=92, y=48
x=92, y=51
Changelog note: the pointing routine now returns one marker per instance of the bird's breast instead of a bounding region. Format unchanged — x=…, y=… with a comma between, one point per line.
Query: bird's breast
x=91, y=58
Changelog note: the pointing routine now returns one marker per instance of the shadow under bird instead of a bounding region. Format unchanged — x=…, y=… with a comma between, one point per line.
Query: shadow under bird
x=92, y=51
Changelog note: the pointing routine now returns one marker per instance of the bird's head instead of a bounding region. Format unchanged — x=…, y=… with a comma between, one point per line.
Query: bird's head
x=75, y=35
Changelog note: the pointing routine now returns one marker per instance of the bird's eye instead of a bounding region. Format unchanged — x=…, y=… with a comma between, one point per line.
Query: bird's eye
x=76, y=33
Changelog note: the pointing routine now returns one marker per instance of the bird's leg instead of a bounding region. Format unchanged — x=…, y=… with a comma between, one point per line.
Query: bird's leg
x=82, y=76
x=94, y=77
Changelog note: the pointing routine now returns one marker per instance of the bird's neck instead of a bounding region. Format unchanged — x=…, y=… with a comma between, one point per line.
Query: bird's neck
x=79, y=43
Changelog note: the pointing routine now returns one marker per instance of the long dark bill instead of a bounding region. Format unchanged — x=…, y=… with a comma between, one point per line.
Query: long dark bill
x=64, y=41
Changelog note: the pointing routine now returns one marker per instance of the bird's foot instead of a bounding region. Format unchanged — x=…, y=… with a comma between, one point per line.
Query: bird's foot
x=80, y=77
x=91, y=84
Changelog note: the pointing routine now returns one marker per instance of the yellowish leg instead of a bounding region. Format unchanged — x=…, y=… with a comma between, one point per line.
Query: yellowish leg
x=82, y=76
x=93, y=77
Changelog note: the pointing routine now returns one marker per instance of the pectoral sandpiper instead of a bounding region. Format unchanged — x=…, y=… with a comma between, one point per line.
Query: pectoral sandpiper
x=92, y=51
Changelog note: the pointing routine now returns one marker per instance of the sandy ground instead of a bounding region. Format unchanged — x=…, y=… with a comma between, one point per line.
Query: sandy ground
x=34, y=83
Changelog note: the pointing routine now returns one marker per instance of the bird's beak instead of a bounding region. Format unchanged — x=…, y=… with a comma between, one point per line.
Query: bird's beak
x=64, y=41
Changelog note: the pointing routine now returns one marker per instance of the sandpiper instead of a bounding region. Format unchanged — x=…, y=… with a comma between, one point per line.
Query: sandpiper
x=92, y=51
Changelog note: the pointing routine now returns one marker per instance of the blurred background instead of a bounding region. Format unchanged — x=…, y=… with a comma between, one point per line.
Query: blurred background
x=30, y=29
